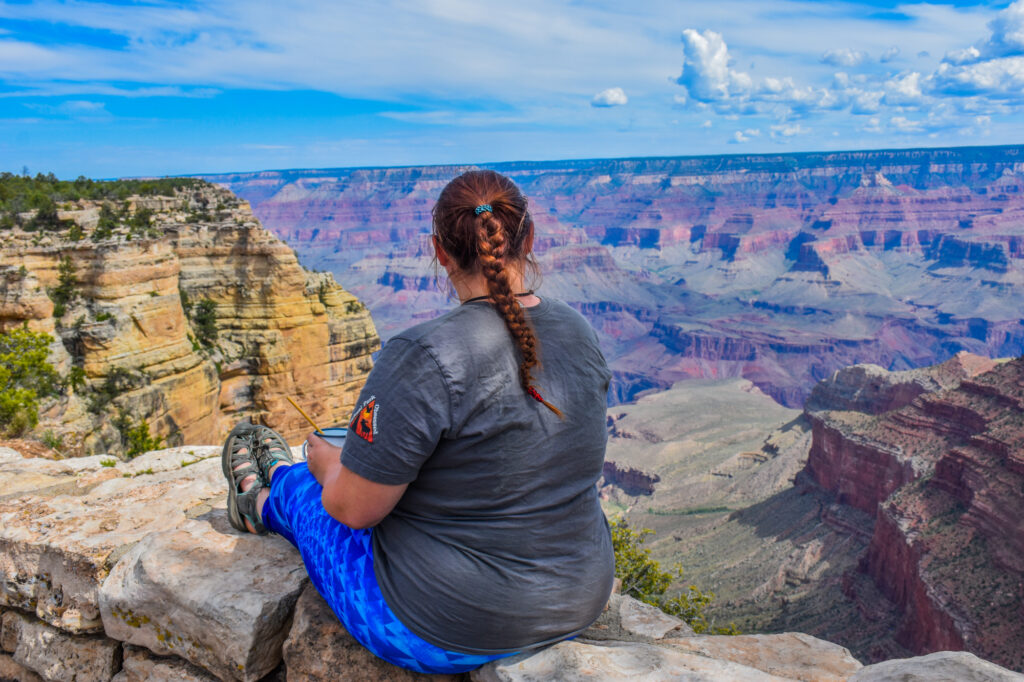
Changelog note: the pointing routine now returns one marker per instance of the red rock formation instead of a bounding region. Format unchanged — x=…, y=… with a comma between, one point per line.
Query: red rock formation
x=777, y=268
x=945, y=476
x=630, y=480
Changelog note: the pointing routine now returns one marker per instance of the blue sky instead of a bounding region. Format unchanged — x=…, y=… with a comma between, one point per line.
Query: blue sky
x=117, y=88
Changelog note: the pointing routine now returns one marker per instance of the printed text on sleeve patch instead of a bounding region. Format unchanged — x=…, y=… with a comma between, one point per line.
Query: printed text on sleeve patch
x=364, y=422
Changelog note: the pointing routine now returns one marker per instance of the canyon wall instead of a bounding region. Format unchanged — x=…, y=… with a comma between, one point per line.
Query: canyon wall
x=943, y=477
x=197, y=321
x=886, y=517
x=776, y=268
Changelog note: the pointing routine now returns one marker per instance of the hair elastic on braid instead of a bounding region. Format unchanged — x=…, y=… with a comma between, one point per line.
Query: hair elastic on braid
x=537, y=396
x=483, y=208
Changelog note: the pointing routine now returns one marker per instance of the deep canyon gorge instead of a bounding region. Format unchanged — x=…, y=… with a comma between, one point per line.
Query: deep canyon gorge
x=776, y=268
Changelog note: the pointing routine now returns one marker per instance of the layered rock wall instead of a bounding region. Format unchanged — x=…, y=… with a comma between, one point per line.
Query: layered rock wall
x=777, y=268
x=942, y=474
x=278, y=330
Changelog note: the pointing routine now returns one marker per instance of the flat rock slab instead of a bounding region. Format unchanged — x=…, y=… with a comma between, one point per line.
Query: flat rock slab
x=207, y=593
x=628, y=620
x=64, y=524
x=613, y=661
x=142, y=666
x=319, y=648
x=943, y=666
x=9, y=670
x=57, y=656
x=792, y=655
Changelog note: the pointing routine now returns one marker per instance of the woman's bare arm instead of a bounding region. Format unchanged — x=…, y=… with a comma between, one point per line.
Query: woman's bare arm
x=348, y=497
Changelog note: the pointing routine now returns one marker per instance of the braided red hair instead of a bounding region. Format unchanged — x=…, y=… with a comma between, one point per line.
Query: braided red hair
x=489, y=241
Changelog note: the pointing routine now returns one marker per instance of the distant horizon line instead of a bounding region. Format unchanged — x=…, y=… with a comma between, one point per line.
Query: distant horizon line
x=591, y=160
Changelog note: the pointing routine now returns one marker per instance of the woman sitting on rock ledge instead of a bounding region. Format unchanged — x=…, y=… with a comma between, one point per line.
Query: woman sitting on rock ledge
x=460, y=522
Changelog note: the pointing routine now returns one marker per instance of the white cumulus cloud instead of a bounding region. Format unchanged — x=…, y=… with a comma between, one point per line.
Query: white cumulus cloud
x=612, y=97
x=992, y=67
x=904, y=90
x=741, y=136
x=706, y=74
x=889, y=55
x=844, y=57
x=788, y=130
x=1007, y=39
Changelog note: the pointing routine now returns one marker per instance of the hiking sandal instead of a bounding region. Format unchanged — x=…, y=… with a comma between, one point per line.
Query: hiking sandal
x=270, y=449
x=242, y=505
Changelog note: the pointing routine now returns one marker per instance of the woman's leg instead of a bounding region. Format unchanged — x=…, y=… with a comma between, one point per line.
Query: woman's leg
x=339, y=561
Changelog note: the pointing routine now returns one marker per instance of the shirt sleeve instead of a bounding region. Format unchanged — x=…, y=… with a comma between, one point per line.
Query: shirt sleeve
x=402, y=413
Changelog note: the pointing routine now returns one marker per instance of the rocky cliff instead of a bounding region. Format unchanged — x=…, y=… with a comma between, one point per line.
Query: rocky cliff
x=944, y=478
x=885, y=518
x=776, y=268
x=186, y=319
x=130, y=571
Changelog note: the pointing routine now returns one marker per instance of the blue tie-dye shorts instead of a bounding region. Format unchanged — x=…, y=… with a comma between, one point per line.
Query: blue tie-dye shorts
x=339, y=561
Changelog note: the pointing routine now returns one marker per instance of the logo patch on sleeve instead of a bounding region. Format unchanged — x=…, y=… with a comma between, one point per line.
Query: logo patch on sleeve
x=364, y=422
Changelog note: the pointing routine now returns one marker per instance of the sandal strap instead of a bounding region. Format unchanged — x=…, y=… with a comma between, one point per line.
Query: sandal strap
x=246, y=502
x=241, y=472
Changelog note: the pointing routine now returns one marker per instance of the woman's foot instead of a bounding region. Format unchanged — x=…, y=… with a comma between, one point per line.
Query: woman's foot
x=261, y=496
x=270, y=451
x=246, y=484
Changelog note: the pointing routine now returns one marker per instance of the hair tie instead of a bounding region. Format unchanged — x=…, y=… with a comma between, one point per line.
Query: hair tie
x=484, y=208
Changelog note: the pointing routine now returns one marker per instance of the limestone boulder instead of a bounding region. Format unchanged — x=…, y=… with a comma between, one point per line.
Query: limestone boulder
x=67, y=523
x=207, y=593
x=627, y=619
x=319, y=648
x=943, y=666
x=57, y=656
x=599, y=662
x=142, y=666
x=9, y=670
x=791, y=655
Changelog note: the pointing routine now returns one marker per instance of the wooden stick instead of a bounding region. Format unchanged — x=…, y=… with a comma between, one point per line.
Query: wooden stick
x=303, y=413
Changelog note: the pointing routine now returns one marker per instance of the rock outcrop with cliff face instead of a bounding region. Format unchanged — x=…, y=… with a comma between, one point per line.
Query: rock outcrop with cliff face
x=776, y=268
x=944, y=478
x=199, y=320
x=902, y=533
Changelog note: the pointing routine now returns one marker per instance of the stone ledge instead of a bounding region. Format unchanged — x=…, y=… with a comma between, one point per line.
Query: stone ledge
x=132, y=572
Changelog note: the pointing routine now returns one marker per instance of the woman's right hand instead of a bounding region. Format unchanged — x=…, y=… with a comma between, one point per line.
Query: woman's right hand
x=321, y=458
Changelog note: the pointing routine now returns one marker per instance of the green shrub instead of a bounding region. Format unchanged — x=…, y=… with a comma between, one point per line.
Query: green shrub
x=52, y=440
x=108, y=220
x=140, y=222
x=66, y=290
x=205, y=322
x=117, y=382
x=135, y=437
x=75, y=378
x=46, y=218
x=186, y=304
x=643, y=579
x=25, y=377
x=24, y=192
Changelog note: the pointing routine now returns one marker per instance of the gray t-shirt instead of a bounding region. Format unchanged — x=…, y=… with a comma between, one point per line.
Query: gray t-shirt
x=499, y=543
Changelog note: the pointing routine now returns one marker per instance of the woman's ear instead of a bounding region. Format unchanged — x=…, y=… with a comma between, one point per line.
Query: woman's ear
x=443, y=258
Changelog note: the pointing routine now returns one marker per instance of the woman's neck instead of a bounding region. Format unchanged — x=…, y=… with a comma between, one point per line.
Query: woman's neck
x=474, y=285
